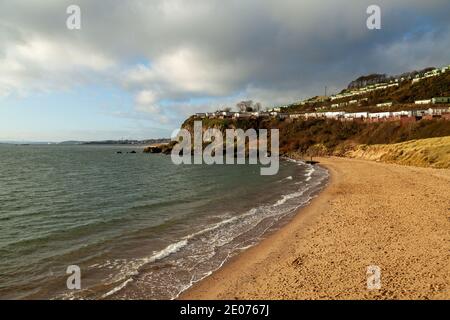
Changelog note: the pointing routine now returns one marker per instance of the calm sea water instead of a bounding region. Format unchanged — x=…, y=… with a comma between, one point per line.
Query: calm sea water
x=137, y=225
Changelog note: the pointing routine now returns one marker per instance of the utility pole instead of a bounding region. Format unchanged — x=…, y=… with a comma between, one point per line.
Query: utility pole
x=326, y=91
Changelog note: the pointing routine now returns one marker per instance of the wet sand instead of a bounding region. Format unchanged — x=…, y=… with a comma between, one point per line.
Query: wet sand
x=391, y=216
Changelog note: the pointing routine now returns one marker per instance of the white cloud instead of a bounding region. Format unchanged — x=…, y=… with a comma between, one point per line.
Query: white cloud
x=184, y=72
x=181, y=56
x=146, y=101
x=146, y=98
x=39, y=64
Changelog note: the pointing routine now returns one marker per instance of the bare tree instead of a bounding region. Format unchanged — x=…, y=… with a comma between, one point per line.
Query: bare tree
x=257, y=106
x=245, y=106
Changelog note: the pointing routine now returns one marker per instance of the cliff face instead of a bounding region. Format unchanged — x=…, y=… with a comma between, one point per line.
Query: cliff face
x=407, y=144
x=327, y=137
x=223, y=124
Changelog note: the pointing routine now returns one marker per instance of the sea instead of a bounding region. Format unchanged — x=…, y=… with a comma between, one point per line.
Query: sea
x=135, y=225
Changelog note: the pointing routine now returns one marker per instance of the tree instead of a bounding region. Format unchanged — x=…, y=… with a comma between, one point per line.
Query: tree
x=245, y=106
x=227, y=109
x=257, y=106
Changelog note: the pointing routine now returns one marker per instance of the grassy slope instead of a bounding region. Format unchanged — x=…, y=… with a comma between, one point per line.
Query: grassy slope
x=433, y=152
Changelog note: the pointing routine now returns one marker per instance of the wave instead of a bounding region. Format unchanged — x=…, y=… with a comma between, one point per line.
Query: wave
x=309, y=173
x=198, y=254
x=137, y=264
x=203, y=252
x=117, y=289
x=172, y=248
x=287, y=178
x=288, y=197
x=299, y=162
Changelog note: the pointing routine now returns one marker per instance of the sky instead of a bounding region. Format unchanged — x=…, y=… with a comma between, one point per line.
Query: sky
x=136, y=69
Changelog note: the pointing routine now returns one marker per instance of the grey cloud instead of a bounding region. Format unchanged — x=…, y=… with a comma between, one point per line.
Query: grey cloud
x=269, y=50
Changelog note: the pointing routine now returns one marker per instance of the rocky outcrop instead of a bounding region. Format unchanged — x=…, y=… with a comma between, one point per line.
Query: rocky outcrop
x=164, y=148
x=152, y=149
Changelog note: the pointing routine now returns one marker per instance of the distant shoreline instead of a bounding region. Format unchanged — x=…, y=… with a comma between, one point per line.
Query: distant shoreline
x=370, y=214
x=100, y=142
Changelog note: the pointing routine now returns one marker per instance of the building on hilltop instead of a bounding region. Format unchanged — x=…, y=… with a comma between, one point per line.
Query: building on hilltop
x=426, y=101
x=384, y=104
x=242, y=115
x=439, y=100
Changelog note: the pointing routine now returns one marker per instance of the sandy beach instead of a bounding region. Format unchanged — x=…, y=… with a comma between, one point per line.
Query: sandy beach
x=395, y=217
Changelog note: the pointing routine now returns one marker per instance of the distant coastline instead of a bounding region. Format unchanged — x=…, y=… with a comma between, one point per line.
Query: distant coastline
x=145, y=142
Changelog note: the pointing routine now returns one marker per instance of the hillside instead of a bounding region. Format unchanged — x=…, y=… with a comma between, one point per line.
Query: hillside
x=370, y=79
x=402, y=96
x=433, y=152
x=367, y=80
x=331, y=137
x=395, y=141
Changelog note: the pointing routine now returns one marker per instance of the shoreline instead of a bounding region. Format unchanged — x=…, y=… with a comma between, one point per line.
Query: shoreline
x=324, y=251
x=284, y=222
x=302, y=218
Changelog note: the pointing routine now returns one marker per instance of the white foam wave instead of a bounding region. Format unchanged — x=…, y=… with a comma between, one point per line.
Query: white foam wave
x=309, y=173
x=172, y=248
x=132, y=267
x=218, y=236
x=117, y=289
x=288, y=197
